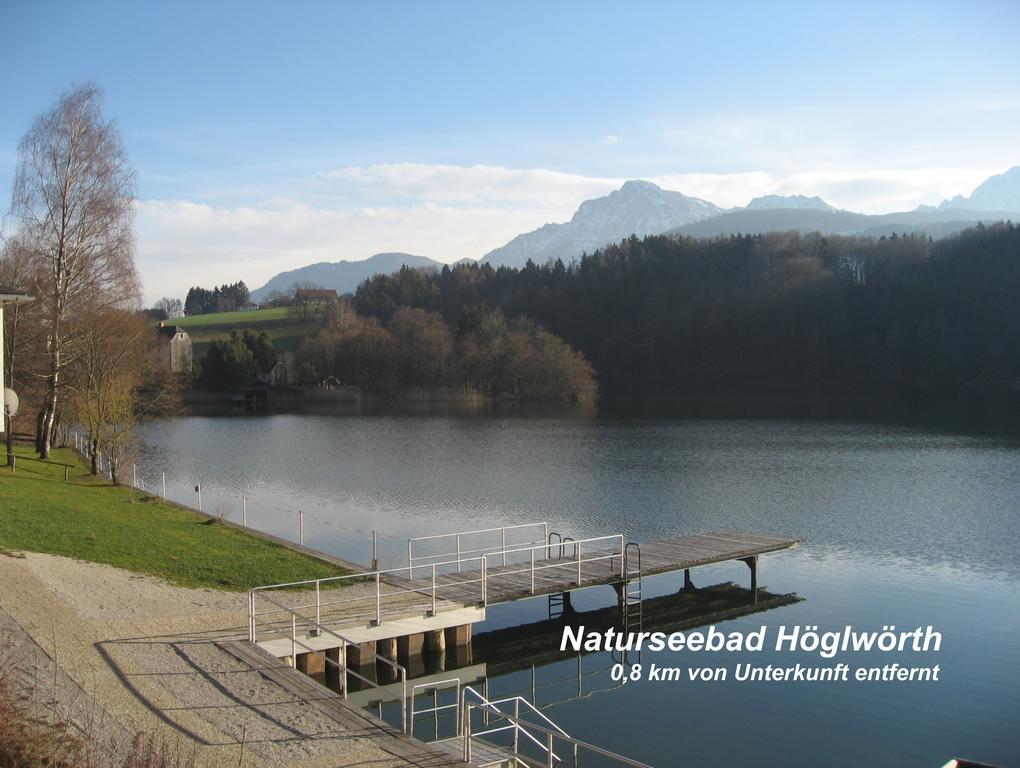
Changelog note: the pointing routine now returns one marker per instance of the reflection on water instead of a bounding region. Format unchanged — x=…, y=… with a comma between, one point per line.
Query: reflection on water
x=903, y=526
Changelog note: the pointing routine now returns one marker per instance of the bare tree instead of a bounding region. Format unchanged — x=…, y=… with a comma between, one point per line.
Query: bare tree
x=117, y=381
x=174, y=308
x=73, y=196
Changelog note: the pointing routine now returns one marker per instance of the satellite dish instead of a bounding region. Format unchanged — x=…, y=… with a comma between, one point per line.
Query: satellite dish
x=11, y=401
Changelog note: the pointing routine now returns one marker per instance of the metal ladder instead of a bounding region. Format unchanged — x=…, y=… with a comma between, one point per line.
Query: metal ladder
x=631, y=608
x=632, y=584
x=556, y=605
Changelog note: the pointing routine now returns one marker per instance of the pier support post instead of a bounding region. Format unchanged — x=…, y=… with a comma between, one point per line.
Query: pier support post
x=410, y=645
x=359, y=656
x=311, y=663
x=387, y=648
x=332, y=670
x=459, y=636
x=688, y=583
x=752, y=563
x=435, y=641
x=620, y=588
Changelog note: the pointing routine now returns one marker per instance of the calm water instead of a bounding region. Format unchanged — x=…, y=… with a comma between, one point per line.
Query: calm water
x=903, y=526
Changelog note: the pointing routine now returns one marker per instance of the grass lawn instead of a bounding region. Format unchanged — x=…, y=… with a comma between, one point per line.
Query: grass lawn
x=287, y=333
x=90, y=519
x=240, y=319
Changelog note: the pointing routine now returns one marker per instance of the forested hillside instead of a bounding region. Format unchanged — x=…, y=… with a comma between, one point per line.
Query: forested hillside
x=782, y=312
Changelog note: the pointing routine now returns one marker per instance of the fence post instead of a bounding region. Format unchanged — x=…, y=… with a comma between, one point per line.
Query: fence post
x=244, y=512
x=485, y=582
x=134, y=475
x=301, y=527
x=517, y=727
x=65, y=472
x=502, y=536
x=293, y=640
x=378, y=600
x=533, y=570
x=410, y=573
x=375, y=550
x=434, y=589
x=458, y=554
x=577, y=546
x=164, y=485
x=251, y=615
x=198, y=488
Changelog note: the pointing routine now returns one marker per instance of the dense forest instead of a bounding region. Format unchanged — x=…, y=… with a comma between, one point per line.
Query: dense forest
x=222, y=298
x=780, y=312
x=416, y=348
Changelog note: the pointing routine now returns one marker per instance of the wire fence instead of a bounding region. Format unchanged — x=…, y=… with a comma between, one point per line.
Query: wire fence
x=235, y=508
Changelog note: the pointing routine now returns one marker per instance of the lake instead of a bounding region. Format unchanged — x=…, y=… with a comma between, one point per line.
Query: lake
x=903, y=525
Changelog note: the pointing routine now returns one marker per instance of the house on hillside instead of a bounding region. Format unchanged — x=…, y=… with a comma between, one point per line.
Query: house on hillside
x=277, y=376
x=176, y=348
x=248, y=306
x=316, y=294
x=314, y=303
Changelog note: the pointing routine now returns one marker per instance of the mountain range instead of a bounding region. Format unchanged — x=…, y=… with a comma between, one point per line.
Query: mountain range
x=343, y=276
x=637, y=208
x=642, y=208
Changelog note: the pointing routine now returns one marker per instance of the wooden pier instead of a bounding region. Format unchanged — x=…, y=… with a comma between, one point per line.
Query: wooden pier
x=562, y=570
x=435, y=600
x=374, y=626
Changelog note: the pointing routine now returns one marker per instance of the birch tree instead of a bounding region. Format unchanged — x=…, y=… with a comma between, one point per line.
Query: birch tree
x=73, y=198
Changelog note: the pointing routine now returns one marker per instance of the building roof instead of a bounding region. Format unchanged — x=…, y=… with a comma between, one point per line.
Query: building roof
x=171, y=330
x=316, y=293
x=10, y=294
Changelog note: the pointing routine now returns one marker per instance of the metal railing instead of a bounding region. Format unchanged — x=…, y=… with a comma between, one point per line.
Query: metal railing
x=545, y=735
x=341, y=662
x=440, y=581
x=534, y=564
x=517, y=726
x=388, y=584
x=436, y=707
x=457, y=540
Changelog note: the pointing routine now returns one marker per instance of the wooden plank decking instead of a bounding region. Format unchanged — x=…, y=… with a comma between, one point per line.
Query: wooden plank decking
x=552, y=575
x=555, y=571
x=350, y=719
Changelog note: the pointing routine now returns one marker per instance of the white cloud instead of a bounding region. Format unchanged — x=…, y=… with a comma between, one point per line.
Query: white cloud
x=449, y=212
x=469, y=184
x=610, y=139
x=182, y=243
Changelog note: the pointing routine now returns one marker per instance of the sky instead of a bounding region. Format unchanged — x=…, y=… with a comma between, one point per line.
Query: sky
x=269, y=135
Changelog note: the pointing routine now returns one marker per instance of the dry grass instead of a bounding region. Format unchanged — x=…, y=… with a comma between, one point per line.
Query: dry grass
x=39, y=730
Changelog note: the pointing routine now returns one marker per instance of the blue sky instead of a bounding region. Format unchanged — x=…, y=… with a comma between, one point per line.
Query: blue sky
x=269, y=135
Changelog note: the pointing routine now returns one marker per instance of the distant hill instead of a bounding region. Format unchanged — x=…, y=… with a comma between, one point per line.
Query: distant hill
x=768, y=202
x=934, y=222
x=637, y=208
x=642, y=208
x=996, y=193
x=343, y=276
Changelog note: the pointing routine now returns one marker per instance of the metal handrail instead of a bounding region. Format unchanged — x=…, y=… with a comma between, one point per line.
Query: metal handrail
x=344, y=642
x=431, y=588
x=457, y=536
x=436, y=685
x=575, y=562
x=492, y=706
x=550, y=737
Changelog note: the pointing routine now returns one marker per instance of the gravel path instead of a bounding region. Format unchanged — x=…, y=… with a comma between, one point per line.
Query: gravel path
x=143, y=654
